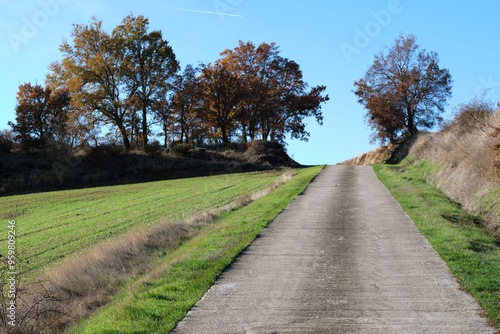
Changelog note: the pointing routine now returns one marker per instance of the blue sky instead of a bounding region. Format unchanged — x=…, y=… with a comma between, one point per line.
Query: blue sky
x=333, y=42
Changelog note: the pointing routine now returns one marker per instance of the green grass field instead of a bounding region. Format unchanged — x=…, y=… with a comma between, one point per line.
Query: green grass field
x=54, y=225
x=469, y=251
x=156, y=302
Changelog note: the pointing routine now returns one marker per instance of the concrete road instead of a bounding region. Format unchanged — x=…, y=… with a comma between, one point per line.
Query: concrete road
x=341, y=258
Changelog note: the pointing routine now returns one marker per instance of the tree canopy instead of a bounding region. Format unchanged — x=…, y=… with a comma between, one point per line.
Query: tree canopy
x=115, y=75
x=129, y=82
x=149, y=65
x=41, y=116
x=275, y=101
x=403, y=91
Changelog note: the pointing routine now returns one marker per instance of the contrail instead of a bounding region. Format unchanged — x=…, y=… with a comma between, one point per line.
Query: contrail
x=203, y=11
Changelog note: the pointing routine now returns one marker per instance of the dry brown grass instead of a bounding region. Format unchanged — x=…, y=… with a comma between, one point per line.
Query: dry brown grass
x=467, y=175
x=80, y=285
x=377, y=156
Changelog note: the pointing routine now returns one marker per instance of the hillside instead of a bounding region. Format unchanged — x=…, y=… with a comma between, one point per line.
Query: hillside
x=459, y=160
x=59, y=169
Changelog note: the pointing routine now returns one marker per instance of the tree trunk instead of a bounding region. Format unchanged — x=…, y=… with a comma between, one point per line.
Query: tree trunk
x=123, y=132
x=244, y=133
x=144, y=126
x=264, y=135
x=265, y=131
x=412, y=129
x=182, y=116
x=165, y=129
x=251, y=130
x=225, y=137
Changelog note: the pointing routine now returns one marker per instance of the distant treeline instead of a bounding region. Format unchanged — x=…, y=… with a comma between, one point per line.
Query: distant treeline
x=128, y=82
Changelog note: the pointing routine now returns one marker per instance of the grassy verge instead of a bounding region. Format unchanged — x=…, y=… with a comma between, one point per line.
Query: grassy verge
x=54, y=225
x=459, y=238
x=155, y=303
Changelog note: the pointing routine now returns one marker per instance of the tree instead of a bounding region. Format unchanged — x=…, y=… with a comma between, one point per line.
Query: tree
x=41, y=116
x=290, y=103
x=297, y=107
x=116, y=75
x=92, y=69
x=163, y=114
x=384, y=117
x=275, y=101
x=253, y=67
x=81, y=127
x=185, y=101
x=404, y=90
x=149, y=64
x=221, y=91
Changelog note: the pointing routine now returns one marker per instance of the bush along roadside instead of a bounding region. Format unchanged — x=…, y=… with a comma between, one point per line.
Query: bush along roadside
x=157, y=301
x=472, y=254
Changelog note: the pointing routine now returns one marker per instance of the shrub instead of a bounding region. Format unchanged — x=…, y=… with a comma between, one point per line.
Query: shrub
x=153, y=149
x=239, y=147
x=475, y=114
x=104, y=156
x=181, y=149
x=6, y=141
x=260, y=146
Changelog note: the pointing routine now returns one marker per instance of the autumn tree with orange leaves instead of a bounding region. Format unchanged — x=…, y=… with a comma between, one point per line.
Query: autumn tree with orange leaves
x=41, y=116
x=91, y=70
x=253, y=66
x=129, y=81
x=270, y=97
x=116, y=76
x=404, y=90
x=221, y=91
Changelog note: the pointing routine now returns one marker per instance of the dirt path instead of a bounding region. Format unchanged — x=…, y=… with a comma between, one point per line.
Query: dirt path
x=342, y=258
